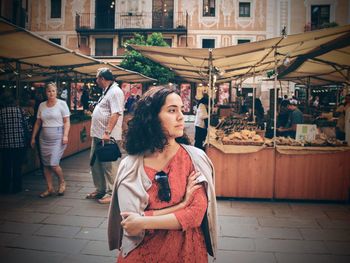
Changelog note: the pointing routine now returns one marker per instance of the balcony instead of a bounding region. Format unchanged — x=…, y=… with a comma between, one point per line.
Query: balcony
x=131, y=21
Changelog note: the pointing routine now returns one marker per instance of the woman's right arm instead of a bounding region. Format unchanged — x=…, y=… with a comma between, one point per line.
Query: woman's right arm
x=191, y=187
x=35, y=131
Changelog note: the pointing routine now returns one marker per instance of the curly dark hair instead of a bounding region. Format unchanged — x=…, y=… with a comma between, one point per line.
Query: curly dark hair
x=145, y=132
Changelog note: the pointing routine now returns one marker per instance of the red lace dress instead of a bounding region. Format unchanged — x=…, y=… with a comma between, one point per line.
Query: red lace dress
x=186, y=245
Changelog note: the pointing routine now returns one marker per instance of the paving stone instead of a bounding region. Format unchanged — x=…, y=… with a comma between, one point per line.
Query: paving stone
x=56, y=244
x=340, y=224
x=310, y=258
x=288, y=222
x=262, y=211
x=52, y=200
x=84, y=177
x=259, y=204
x=5, y=238
x=318, y=207
x=326, y=234
x=4, y=251
x=98, y=248
x=104, y=225
x=101, y=211
x=23, y=255
x=289, y=213
x=339, y=215
x=24, y=217
x=248, y=231
x=339, y=248
x=232, y=220
x=65, y=220
x=92, y=234
x=75, y=195
x=292, y=246
x=58, y=231
x=236, y=244
x=86, y=189
x=44, y=208
x=244, y=257
x=19, y=228
x=80, y=203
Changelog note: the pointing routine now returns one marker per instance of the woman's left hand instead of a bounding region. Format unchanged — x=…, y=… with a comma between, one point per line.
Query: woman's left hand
x=132, y=223
x=65, y=140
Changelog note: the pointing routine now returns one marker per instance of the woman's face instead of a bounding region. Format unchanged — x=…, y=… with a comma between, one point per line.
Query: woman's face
x=51, y=92
x=171, y=116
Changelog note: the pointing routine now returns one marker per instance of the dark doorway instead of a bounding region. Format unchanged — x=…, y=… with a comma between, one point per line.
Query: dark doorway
x=104, y=14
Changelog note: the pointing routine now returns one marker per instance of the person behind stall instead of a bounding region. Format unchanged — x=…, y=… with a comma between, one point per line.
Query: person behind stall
x=201, y=122
x=54, y=124
x=295, y=117
x=163, y=207
x=259, y=114
x=14, y=138
x=294, y=100
x=85, y=98
x=129, y=105
x=340, y=128
x=316, y=102
x=283, y=114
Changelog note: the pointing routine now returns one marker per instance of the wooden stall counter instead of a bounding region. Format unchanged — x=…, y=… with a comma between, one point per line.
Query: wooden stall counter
x=79, y=138
x=242, y=171
x=312, y=173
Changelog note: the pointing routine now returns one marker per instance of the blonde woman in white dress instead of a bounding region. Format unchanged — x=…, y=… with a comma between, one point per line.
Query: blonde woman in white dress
x=53, y=119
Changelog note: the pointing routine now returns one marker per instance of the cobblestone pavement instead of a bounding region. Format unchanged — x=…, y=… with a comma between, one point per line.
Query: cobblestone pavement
x=72, y=229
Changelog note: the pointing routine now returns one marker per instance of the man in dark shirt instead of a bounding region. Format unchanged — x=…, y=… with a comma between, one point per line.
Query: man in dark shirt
x=295, y=117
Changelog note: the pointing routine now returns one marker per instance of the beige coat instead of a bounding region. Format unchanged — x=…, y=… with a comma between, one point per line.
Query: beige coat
x=130, y=194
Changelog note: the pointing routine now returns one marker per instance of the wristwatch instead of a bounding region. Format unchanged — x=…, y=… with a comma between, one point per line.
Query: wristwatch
x=108, y=132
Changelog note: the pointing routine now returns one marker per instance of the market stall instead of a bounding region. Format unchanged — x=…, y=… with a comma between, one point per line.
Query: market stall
x=243, y=171
x=256, y=171
x=247, y=168
x=317, y=173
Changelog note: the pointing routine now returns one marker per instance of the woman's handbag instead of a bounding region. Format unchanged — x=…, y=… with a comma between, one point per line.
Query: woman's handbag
x=108, y=151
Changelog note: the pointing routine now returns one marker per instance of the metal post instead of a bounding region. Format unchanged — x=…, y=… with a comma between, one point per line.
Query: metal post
x=211, y=83
x=253, y=100
x=275, y=102
x=18, y=80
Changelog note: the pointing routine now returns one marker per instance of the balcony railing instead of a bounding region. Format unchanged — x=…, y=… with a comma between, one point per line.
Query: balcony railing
x=131, y=20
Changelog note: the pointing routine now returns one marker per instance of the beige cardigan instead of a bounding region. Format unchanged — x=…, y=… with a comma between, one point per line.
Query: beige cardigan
x=130, y=194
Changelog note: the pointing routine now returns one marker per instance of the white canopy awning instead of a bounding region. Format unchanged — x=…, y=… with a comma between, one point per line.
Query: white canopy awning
x=38, y=59
x=329, y=47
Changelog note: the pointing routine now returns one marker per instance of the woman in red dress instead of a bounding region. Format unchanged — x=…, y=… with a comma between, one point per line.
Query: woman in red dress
x=163, y=207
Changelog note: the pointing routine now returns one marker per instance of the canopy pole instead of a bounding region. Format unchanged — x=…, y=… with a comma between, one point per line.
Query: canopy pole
x=211, y=84
x=275, y=101
x=18, y=80
x=254, y=94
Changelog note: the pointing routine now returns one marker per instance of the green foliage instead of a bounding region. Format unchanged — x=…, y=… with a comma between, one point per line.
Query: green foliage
x=133, y=60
